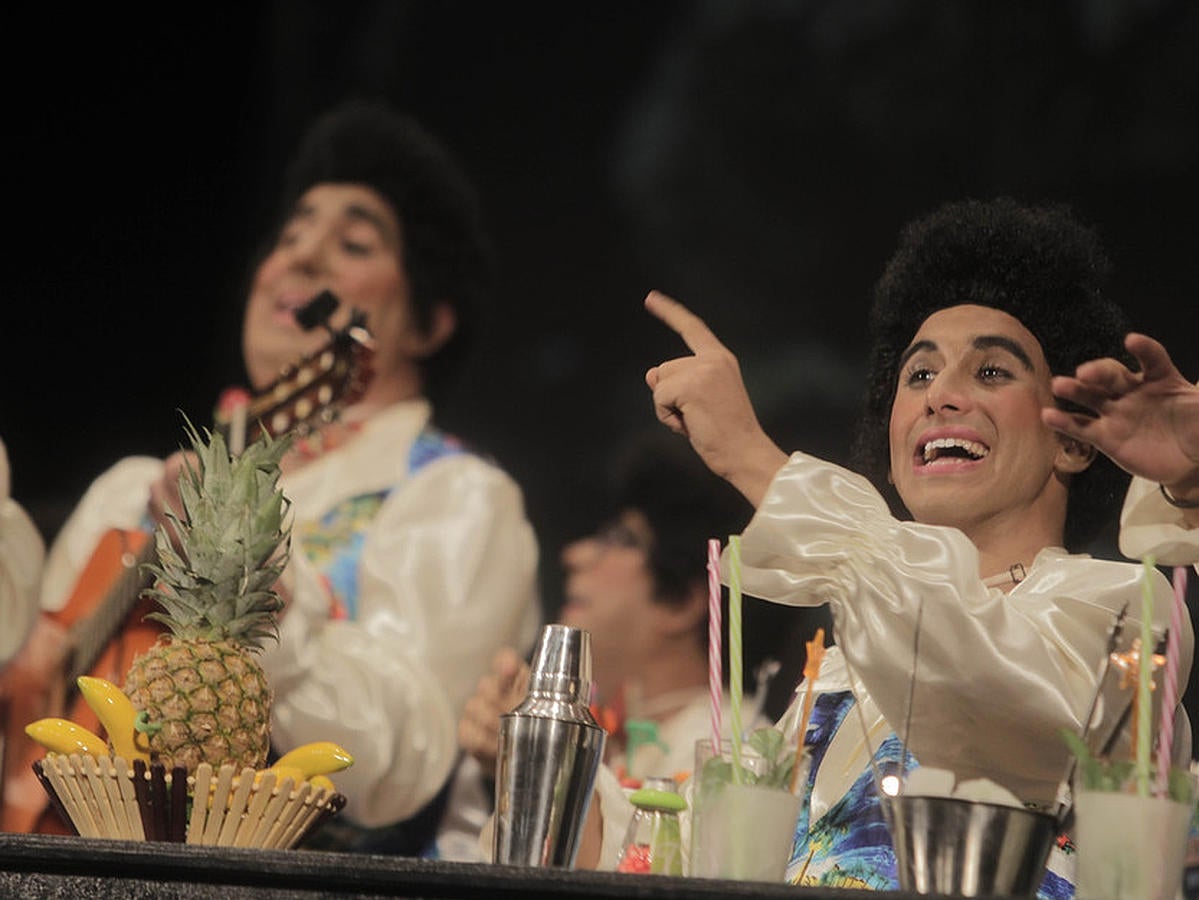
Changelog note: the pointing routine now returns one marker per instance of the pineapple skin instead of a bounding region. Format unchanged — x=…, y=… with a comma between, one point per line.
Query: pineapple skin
x=200, y=687
x=211, y=699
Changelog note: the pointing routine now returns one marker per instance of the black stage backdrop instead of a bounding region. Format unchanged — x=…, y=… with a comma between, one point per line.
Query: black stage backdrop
x=755, y=159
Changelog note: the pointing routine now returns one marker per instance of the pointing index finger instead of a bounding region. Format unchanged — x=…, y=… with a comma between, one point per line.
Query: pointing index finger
x=683, y=322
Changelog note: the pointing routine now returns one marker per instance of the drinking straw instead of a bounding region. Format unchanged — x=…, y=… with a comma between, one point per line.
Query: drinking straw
x=1145, y=680
x=1165, y=732
x=811, y=670
x=735, y=661
x=715, y=675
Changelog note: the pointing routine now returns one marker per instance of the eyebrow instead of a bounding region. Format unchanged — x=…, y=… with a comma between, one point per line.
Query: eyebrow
x=366, y=214
x=354, y=211
x=982, y=342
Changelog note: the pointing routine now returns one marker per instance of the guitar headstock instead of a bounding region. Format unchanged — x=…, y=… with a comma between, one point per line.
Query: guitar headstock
x=311, y=392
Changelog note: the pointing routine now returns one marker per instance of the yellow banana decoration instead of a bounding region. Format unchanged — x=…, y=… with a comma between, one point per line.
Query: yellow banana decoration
x=322, y=782
x=317, y=758
x=281, y=772
x=63, y=736
x=116, y=713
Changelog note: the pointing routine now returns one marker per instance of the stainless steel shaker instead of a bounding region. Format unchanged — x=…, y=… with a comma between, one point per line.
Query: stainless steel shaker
x=550, y=749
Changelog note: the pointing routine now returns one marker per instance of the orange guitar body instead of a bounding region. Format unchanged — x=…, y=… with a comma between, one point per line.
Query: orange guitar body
x=26, y=807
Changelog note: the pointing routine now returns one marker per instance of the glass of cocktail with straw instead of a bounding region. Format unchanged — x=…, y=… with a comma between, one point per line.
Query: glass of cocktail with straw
x=744, y=804
x=1133, y=816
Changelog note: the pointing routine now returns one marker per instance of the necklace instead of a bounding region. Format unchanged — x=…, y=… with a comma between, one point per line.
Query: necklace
x=1014, y=574
x=321, y=440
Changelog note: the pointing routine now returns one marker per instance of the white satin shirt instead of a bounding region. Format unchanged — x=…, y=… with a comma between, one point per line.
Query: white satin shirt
x=997, y=675
x=1148, y=524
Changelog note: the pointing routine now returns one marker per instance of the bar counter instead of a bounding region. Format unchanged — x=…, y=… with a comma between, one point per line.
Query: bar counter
x=35, y=867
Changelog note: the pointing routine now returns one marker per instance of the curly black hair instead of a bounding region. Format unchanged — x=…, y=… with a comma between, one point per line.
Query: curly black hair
x=659, y=475
x=1039, y=264
x=447, y=254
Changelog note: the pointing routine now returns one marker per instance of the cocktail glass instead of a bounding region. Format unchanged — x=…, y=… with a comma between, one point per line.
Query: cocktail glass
x=1131, y=847
x=742, y=829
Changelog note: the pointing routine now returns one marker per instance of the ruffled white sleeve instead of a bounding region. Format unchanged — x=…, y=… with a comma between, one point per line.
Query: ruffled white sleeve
x=21, y=556
x=998, y=676
x=446, y=577
x=1150, y=525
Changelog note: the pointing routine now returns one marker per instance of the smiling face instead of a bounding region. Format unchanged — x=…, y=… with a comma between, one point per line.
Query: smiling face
x=344, y=238
x=968, y=448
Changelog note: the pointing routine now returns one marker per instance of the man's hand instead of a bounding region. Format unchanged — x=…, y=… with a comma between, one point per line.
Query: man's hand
x=499, y=692
x=703, y=397
x=1147, y=421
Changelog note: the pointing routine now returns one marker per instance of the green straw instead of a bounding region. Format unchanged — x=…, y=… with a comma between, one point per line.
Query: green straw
x=735, y=661
x=1145, y=680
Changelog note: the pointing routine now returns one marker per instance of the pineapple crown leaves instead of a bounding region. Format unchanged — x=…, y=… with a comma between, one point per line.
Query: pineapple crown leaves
x=216, y=581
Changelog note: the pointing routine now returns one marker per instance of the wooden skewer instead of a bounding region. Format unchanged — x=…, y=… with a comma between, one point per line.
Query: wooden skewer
x=308, y=811
x=238, y=805
x=300, y=805
x=201, y=796
x=69, y=771
x=811, y=670
x=262, y=829
x=133, y=815
x=259, y=798
x=39, y=770
x=108, y=795
x=216, y=811
x=141, y=789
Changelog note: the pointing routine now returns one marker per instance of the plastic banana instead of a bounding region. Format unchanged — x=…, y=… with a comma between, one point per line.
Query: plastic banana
x=322, y=782
x=280, y=773
x=317, y=758
x=63, y=736
x=116, y=713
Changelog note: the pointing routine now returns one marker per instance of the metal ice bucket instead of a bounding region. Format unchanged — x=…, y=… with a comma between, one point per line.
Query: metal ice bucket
x=944, y=845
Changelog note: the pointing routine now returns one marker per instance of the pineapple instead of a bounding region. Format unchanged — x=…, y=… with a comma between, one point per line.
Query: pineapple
x=201, y=694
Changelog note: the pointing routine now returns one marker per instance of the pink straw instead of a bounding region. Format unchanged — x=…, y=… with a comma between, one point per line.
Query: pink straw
x=1165, y=732
x=715, y=678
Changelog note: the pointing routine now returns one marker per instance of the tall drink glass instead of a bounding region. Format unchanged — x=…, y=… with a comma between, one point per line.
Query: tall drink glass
x=740, y=831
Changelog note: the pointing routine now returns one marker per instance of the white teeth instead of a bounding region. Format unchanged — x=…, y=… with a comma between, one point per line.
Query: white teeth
x=973, y=449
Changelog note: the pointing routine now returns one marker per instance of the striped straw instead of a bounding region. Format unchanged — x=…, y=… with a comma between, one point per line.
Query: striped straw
x=735, y=661
x=1142, y=705
x=715, y=671
x=1165, y=732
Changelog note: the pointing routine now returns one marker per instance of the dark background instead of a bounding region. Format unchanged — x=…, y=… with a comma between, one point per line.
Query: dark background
x=755, y=159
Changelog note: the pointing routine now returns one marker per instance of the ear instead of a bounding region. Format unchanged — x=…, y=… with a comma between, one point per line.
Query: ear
x=443, y=322
x=1073, y=455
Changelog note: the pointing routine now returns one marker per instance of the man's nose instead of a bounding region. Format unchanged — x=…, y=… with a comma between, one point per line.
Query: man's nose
x=947, y=392
x=579, y=553
x=309, y=252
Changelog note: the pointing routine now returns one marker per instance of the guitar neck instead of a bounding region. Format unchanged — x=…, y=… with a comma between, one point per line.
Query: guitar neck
x=92, y=633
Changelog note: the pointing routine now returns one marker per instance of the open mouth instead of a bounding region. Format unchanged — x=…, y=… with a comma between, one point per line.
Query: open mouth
x=952, y=448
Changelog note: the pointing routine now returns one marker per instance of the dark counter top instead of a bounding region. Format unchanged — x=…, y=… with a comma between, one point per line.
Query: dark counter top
x=40, y=866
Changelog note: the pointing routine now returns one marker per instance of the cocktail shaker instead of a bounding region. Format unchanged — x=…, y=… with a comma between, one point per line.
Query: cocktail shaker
x=550, y=749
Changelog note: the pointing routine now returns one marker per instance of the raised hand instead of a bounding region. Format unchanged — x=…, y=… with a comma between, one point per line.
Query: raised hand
x=703, y=397
x=499, y=692
x=1147, y=421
